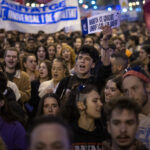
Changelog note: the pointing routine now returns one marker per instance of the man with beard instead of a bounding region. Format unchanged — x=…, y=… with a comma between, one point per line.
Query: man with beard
x=14, y=74
x=136, y=85
x=122, y=124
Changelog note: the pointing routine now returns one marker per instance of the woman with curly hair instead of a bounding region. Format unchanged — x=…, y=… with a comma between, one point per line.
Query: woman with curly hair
x=69, y=55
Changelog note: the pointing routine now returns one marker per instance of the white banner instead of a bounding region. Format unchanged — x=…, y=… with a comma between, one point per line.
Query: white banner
x=95, y=23
x=51, y=18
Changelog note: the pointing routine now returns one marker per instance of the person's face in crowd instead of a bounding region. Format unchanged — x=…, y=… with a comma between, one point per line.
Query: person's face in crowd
x=88, y=41
x=11, y=59
x=122, y=127
x=93, y=105
x=143, y=55
x=30, y=44
x=111, y=91
x=58, y=50
x=66, y=54
x=78, y=43
x=122, y=36
x=84, y=64
x=17, y=46
x=30, y=64
x=41, y=54
x=114, y=65
x=117, y=42
x=134, y=88
x=58, y=71
x=50, y=40
x=43, y=71
x=50, y=106
x=51, y=52
x=49, y=137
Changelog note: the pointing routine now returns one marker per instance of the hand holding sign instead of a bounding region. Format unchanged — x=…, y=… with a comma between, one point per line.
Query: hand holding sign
x=107, y=32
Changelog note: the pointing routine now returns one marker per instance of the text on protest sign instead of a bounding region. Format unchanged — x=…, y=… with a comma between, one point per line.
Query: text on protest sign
x=95, y=23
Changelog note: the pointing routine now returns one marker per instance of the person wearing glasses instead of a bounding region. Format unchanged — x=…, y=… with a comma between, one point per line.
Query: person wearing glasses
x=136, y=85
x=83, y=112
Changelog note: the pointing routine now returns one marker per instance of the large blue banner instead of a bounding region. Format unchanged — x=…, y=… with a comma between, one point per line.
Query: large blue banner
x=53, y=17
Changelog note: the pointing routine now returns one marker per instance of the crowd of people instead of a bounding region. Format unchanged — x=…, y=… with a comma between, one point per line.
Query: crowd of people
x=66, y=91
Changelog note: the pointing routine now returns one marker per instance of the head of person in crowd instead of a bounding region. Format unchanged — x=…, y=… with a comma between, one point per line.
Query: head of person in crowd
x=84, y=103
x=48, y=105
x=78, y=41
x=58, y=49
x=113, y=88
x=45, y=70
x=11, y=59
x=2, y=35
x=69, y=55
x=136, y=85
x=18, y=46
x=41, y=53
x=29, y=63
x=59, y=69
x=112, y=47
x=41, y=37
x=119, y=62
x=117, y=41
x=50, y=39
x=144, y=55
x=51, y=48
x=133, y=41
x=49, y=132
x=86, y=60
x=30, y=45
x=10, y=38
x=122, y=122
x=89, y=41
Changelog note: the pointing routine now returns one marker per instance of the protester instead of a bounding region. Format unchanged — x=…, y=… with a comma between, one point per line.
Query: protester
x=48, y=105
x=16, y=75
x=136, y=85
x=29, y=66
x=59, y=70
x=85, y=62
x=122, y=124
x=83, y=112
x=113, y=88
x=12, y=132
x=49, y=133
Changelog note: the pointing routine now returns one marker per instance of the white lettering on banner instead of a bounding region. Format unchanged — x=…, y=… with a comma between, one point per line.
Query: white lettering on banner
x=96, y=22
x=48, y=18
x=23, y=18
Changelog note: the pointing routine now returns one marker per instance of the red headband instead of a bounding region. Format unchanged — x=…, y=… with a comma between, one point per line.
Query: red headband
x=137, y=74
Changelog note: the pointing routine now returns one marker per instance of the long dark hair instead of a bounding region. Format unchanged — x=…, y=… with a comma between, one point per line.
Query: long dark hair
x=69, y=111
x=41, y=103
